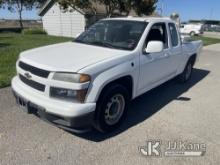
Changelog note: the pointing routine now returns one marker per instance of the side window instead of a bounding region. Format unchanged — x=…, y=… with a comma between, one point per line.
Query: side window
x=158, y=32
x=173, y=34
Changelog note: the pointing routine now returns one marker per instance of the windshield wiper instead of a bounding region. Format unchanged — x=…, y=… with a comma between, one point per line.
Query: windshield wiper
x=105, y=44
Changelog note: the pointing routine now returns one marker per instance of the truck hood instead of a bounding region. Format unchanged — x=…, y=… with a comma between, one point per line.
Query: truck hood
x=68, y=57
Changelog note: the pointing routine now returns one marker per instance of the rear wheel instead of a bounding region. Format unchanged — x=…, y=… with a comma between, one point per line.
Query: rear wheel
x=186, y=74
x=111, y=108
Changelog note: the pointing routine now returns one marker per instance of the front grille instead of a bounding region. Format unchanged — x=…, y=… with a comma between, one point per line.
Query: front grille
x=32, y=83
x=34, y=70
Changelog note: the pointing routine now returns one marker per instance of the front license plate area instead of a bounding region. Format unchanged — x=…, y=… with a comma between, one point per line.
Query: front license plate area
x=36, y=109
x=29, y=107
x=23, y=103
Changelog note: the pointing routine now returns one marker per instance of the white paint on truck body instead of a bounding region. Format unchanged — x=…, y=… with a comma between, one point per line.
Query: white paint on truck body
x=104, y=65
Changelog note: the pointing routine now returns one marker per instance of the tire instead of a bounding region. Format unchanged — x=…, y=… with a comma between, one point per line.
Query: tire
x=187, y=73
x=111, y=108
x=192, y=33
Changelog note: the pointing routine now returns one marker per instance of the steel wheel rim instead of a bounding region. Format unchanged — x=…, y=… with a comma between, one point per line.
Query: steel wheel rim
x=114, y=109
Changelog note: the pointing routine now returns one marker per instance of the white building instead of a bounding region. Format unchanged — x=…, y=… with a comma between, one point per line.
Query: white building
x=69, y=24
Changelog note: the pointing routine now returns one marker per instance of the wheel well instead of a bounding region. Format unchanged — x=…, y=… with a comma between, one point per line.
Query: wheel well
x=126, y=81
x=193, y=58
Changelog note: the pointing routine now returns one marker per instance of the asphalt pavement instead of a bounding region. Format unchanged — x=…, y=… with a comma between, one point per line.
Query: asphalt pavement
x=172, y=112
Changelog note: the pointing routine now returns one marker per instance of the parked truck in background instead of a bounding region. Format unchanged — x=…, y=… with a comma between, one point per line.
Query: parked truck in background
x=192, y=29
x=90, y=81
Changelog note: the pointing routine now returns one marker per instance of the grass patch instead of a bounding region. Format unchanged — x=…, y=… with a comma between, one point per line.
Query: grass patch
x=207, y=40
x=34, y=31
x=11, y=44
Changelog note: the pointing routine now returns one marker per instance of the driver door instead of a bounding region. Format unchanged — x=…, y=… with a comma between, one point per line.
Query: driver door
x=155, y=67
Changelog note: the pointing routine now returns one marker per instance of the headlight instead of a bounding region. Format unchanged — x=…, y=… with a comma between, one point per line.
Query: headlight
x=68, y=94
x=71, y=77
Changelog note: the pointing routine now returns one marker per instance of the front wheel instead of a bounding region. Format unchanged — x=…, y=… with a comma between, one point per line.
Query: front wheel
x=111, y=108
x=186, y=74
x=192, y=33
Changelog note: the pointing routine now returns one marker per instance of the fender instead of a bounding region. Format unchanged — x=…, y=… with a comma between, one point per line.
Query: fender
x=189, y=50
x=110, y=75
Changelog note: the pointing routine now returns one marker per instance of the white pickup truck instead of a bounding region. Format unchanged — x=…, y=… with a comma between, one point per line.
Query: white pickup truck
x=90, y=81
x=191, y=29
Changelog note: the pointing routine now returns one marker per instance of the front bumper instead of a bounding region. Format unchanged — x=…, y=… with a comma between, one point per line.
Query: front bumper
x=75, y=117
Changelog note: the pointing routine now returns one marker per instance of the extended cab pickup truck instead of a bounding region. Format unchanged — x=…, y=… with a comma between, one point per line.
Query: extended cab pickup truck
x=90, y=81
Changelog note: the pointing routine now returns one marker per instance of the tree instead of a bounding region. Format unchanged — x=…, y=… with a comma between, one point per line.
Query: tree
x=1, y=3
x=20, y=5
x=81, y=4
x=141, y=7
x=110, y=6
x=144, y=7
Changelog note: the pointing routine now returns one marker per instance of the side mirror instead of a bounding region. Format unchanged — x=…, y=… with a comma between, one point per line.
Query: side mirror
x=154, y=47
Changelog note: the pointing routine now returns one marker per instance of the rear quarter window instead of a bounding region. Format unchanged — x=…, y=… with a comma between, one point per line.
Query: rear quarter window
x=173, y=34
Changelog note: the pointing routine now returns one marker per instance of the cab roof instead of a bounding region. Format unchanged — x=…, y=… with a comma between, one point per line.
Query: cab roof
x=142, y=19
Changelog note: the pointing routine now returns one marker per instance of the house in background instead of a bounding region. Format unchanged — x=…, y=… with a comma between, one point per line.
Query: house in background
x=69, y=23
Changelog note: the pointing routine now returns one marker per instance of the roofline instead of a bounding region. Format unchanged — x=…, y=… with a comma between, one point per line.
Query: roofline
x=141, y=19
x=49, y=3
x=46, y=7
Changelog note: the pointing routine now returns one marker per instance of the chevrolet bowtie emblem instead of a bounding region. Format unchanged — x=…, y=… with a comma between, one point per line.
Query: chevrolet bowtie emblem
x=28, y=75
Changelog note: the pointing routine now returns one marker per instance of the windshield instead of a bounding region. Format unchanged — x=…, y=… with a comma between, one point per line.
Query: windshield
x=115, y=34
